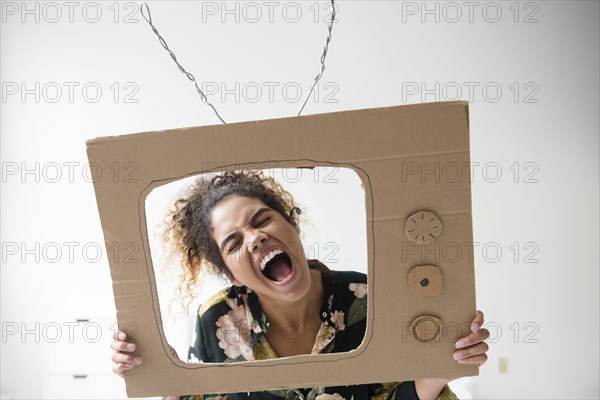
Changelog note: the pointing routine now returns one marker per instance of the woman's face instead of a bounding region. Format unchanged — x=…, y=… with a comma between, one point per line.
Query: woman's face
x=261, y=248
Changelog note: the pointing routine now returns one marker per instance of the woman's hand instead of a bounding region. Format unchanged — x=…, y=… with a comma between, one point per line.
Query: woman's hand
x=124, y=361
x=472, y=349
x=121, y=357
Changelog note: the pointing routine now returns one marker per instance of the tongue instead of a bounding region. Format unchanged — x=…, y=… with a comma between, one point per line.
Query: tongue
x=278, y=268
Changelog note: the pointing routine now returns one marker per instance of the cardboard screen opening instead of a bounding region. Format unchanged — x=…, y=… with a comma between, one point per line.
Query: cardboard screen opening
x=333, y=230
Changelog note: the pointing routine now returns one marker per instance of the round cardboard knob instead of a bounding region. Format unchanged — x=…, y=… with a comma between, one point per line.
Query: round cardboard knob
x=423, y=227
x=425, y=281
x=426, y=328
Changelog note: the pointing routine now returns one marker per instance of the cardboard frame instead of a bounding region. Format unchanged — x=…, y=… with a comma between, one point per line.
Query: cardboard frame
x=398, y=152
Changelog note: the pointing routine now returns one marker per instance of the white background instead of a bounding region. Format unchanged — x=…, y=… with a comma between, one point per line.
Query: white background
x=544, y=59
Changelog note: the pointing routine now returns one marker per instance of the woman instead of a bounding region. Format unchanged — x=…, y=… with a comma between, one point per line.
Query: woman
x=245, y=226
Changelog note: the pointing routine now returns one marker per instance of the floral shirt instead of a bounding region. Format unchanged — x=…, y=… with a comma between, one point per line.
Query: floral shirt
x=231, y=327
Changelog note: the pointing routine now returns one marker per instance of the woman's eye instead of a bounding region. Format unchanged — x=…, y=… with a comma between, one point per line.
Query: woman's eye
x=264, y=221
x=233, y=248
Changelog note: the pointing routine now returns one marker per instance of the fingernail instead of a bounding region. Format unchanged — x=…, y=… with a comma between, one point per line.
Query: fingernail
x=475, y=327
x=131, y=347
x=137, y=360
x=459, y=344
x=456, y=355
x=122, y=336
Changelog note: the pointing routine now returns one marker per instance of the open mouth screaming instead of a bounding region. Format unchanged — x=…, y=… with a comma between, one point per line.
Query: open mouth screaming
x=276, y=265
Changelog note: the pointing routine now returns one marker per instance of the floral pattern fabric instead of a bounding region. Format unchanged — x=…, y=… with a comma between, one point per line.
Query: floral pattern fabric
x=231, y=327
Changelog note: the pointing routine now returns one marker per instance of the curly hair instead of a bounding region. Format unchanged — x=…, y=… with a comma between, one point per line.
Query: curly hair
x=187, y=226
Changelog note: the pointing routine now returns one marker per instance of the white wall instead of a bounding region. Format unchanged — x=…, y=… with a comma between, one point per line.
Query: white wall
x=381, y=53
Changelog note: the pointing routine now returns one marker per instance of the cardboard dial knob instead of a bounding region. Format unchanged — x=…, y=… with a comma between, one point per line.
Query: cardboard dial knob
x=426, y=328
x=425, y=281
x=423, y=227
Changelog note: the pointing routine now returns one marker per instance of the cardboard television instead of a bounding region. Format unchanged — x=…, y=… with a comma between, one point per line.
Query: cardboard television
x=420, y=299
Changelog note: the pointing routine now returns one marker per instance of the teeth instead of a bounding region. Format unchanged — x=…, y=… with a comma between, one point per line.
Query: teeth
x=268, y=257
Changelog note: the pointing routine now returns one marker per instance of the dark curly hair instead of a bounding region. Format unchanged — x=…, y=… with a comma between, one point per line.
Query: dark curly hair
x=188, y=223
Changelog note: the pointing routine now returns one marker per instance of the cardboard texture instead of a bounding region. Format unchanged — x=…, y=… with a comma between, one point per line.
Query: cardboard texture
x=410, y=158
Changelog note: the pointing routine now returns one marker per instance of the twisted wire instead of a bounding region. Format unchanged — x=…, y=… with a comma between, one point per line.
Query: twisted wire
x=191, y=77
x=166, y=47
x=323, y=56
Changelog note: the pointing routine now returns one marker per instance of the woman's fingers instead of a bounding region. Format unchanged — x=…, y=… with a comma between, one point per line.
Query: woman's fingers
x=119, y=336
x=477, y=321
x=116, y=370
x=474, y=338
x=472, y=349
x=125, y=358
x=477, y=360
x=476, y=350
x=122, y=346
x=478, y=334
x=120, y=367
x=123, y=361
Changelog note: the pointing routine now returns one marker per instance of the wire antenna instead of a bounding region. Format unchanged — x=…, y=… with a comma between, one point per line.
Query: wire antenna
x=174, y=57
x=323, y=56
x=144, y=8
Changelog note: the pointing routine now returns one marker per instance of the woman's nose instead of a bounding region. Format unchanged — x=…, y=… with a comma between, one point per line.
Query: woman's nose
x=257, y=241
